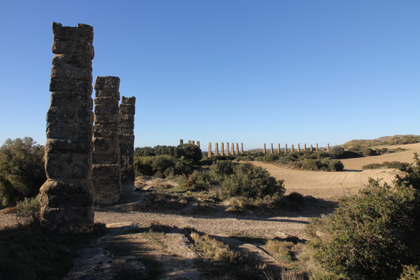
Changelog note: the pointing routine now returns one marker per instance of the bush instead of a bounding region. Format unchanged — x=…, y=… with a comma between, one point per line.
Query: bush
x=336, y=165
x=337, y=152
x=271, y=157
x=189, y=152
x=371, y=235
x=22, y=170
x=30, y=208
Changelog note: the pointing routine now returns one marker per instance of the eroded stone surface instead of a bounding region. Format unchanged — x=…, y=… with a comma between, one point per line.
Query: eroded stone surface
x=67, y=196
x=106, y=173
x=126, y=142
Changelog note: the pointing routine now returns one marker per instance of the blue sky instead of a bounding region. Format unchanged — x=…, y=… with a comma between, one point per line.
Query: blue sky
x=252, y=72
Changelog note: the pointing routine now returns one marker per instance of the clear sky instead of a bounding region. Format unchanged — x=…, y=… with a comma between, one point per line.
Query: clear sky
x=252, y=72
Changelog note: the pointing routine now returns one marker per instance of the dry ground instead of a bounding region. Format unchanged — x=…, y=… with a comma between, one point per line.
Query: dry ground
x=331, y=185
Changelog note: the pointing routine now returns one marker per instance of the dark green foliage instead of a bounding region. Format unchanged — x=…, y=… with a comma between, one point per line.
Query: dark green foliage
x=161, y=166
x=144, y=152
x=164, y=150
x=368, y=152
x=22, y=170
x=371, y=235
x=387, y=164
x=336, y=165
x=189, y=152
x=271, y=157
x=337, y=152
x=30, y=208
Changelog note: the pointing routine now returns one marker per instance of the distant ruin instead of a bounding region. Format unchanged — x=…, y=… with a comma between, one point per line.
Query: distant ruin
x=68, y=194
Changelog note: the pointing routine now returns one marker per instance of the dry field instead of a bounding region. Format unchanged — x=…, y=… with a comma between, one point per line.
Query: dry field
x=335, y=184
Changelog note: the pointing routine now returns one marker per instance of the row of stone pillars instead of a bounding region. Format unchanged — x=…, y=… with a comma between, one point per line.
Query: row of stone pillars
x=181, y=142
x=222, y=149
x=293, y=148
x=73, y=182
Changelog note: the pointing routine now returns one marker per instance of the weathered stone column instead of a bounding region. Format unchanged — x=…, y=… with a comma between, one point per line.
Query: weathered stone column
x=312, y=148
x=242, y=148
x=106, y=172
x=216, y=149
x=189, y=141
x=126, y=142
x=67, y=195
x=271, y=147
x=328, y=147
x=304, y=147
x=198, y=144
x=298, y=147
x=285, y=148
x=181, y=142
x=278, y=148
x=264, y=150
x=233, y=149
x=209, y=150
x=222, y=149
x=237, y=148
x=227, y=148
x=316, y=147
x=293, y=148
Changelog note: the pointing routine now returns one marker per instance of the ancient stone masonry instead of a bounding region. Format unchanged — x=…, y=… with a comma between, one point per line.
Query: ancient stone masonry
x=222, y=149
x=285, y=148
x=216, y=149
x=264, y=150
x=232, y=149
x=271, y=148
x=328, y=147
x=67, y=195
x=298, y=147
x=106, y=173
x=209, y=150
x=293, y=148
x=237, y=148
x=278, y=148
x=126, y=142
x=198, y=144
x=181, y=142
x=242, y=148
x=316, y=147
x=227, y=148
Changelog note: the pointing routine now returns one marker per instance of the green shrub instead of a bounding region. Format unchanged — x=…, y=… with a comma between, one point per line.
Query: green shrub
x=162, y=166
x=337, y=152
x=30, y=208
x=189, y=152
x=270, y=157
x=336, y=165
x=371, y=235
x=368, y=152
x=143, y=166
x=22, y=170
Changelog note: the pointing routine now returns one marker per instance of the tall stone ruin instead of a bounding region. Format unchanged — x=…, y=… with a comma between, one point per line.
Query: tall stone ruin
x=227, y=148
x=237, y=148
x=181, y=142
x=222, y=148
x=264, y=150
x=271, y=148
x=106, y=172
x=68, y=194
x=216, y=149
x=198, y=144
x=209, y=150
x=126, y=142
x=242, y=148
x=232, y=149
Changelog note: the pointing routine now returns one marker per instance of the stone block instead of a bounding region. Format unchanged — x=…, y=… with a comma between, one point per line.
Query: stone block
x=128, y=100
x=127, y=109
x=127, y=174
x=104, y=144
x=68, y=71
x=71, y=100
x=82, y=31
x=126, y=160
x=107, y=92
x=111, y=157
x=81, y=60
x=68, y=115
x=68, y=145
x=126, y=118
x=127, y=125
x=108, y=198
x=68, y=165
x=105, y=109
x=73, y=47
x=112, y=170
x=126, y=132
x=106, y=119
x=71, y=85
x=67, y=218
x=105, y=130
x=66, y=200
x=67, y=186
x=107, y=82
x=109, y=100
x=60, y=130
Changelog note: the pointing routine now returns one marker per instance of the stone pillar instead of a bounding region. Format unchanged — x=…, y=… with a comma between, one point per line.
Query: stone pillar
x=127, y=111
x=317, y=147
x=181, y=142
x=271, y=147
x=68, y=194
x=237, y=148
x=328, y=147
x=312, y=148
x=298, y=147
x=216, y=149
x=189, y=141
x=242, y=148
x=193, y=142
x=198, y=144
x=304, y=147
x=293, y=148
x=106, y=172
x=209, y=150
x=222, y=149
x=278, y=148
x=227, y=148
x=233, y=149
x=264, y=150
x=285, y=148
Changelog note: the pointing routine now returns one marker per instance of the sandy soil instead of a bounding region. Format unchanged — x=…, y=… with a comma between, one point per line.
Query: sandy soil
x=335, y=184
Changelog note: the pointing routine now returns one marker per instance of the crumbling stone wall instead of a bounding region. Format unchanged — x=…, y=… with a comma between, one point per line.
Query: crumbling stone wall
x=126, y=142
x=106, y=173
x=222, y=149
x=67, y=195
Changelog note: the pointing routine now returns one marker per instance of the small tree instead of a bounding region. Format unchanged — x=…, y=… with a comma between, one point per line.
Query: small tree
x=22, y=170
x=189, y=152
